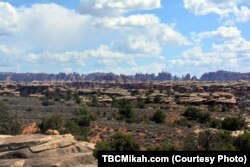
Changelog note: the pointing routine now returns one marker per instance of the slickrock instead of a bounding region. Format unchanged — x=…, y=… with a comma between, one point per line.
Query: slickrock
x=45, y=151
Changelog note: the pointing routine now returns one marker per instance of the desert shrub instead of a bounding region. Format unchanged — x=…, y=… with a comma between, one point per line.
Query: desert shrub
x=215, y=123
x=203, y=116
x=223, y=141
x=242, y=142
x=126, y=113
x=210, y=141
x=29, y=109
x=72, y=127
x=117, y=142
x=196, y=114
x=184, y=122
x=224, y=108
x=47, y=102
x=149, y=92
x=54, y=122
x=134, y=92
x=9, y=125
x=190, y=143
x=83, y=117
x=79, y=123
x=212, y=108
x=191, y=113
x=157, y=99
x=165, y=147
x=147, y=100
x=233, y=123
x=140, y=104
x=95, y=102
x=159, y=117
x=205, y=140
x=69, y=95
x=76, y=97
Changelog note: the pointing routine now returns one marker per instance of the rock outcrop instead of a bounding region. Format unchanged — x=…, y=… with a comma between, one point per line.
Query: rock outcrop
x=45, y=151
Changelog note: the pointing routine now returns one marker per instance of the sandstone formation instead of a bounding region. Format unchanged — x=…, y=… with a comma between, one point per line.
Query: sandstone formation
x=45, y=151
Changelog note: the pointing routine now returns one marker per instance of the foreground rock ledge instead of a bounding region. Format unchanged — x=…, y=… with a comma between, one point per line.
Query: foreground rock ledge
x=45, y=151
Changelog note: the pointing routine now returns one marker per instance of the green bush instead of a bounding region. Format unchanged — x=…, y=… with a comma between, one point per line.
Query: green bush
x=126, y=113
x=184, y=122
x=83, y=117
x=215, y=123
x=165, y=147
x=233, y=123
x=196, y=114
x=157, y=99
x=54, y=122
x=159, y=117
x=210, y=141
x=203, y=117
x=191, y=113
x=47, y=102
x=9, y=125
x=242, y=142
x=225, y=109
x=117, y=142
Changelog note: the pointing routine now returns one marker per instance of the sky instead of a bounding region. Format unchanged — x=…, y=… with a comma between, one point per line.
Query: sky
x=124, y=36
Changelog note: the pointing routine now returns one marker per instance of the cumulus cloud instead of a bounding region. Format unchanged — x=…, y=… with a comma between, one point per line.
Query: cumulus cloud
x=232, y=54
x=154, y=67
x=167, y=34
x=139, y=44
x=242, y=14
x=8, y=19
x=236, y=9
x=52, y=26
x=103, y=56
x=116, y=7
x=221, y=32
x=204, y=7
x=47, y=36
x=132, y=21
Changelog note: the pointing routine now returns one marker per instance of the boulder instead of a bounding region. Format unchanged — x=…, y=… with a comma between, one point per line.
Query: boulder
x=52, y=132
x=43, y=150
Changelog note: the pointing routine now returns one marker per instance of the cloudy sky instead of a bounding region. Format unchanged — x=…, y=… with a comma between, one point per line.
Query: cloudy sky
x=124, y=36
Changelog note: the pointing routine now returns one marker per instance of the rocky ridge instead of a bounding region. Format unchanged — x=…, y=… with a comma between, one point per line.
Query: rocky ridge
x=44, y=151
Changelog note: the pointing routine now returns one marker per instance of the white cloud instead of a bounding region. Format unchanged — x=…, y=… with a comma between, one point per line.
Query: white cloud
x=168, y=34
x=52, y=26
x=8, y=19
x=242, y=14
x=154, y=67
x=102, y=55
x=221, y=32
x=204, y=7
x=139, y=44
x=236, y=10
x=116, y=7
x=48, y=36
x=102, y=59
x=146, y=24
x=233, y=54
x=128, y=22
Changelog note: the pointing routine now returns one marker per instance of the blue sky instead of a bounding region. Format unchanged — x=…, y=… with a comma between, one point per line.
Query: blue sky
x=136, y=36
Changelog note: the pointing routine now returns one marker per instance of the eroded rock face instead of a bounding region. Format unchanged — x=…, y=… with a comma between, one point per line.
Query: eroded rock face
x=44, y=151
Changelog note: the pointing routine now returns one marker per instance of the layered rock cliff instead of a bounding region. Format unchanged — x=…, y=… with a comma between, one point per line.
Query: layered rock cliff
x=45, y=151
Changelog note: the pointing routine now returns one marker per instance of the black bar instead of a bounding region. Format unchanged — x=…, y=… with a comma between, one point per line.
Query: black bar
x=217, y=158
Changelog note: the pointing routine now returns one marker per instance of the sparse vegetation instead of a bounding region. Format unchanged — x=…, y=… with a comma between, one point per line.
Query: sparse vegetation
x=159, y=117
x=196, y=114
x=117, y=142
x=149, y=117
x=9, y=125
x=233, y=123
